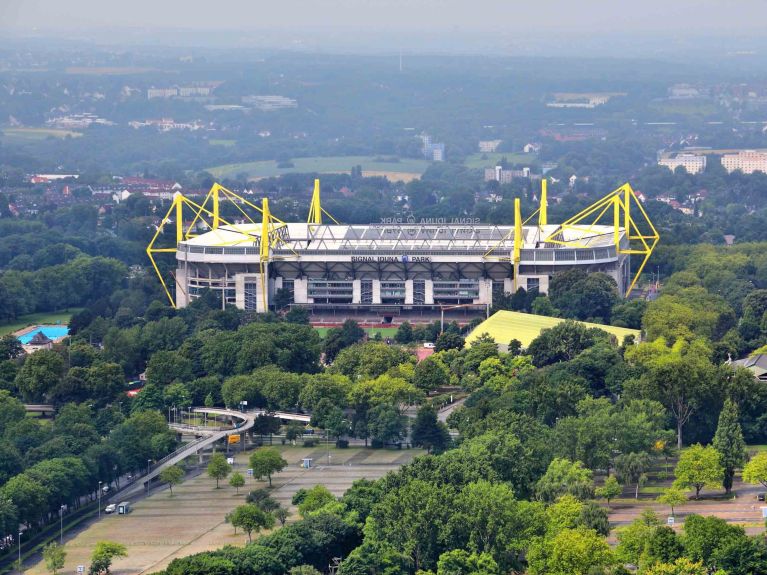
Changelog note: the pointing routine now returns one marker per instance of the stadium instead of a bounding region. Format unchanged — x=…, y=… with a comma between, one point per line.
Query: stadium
x=401, y=268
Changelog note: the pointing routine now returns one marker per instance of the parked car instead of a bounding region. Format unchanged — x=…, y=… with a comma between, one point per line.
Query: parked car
x=111, y=508
x=760, y=496
x=429, y=345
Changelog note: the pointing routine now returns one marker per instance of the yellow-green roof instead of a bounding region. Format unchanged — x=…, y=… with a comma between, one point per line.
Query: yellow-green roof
x=503, y=326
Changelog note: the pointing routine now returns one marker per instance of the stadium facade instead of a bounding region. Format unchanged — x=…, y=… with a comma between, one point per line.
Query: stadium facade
x=394, y=268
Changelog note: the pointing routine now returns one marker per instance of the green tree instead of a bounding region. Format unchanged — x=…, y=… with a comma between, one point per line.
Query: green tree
x=429, y=432
x=461, y=562
x=728, y=441
x=386, y=424
x=304, y=570
x=430, y=374
x=11, y=410
x=565, y=476
x=630, y=467
x=218, y=468
x=172, y=475
x=40, y=373
x=404, y=333
x=609, y=490
x=673, y=497
x=54, y=556
x=699, y=467
x=449, y=340
x=237, y=481
x=102, y=556
x=315, y=499
x=250, y=518
x=266, y=461
x=682, y=566
x=570, y=552
x=755, y=470
x=10, y=347
x=281, y=514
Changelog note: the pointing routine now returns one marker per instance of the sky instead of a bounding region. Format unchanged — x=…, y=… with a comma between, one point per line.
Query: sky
x=453, y=20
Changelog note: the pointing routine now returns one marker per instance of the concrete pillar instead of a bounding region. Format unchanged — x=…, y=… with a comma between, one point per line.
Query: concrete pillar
x=300, y=290
x=376, y=291
x=408, y=292
x=239, y=291
x=357, y=291
x=485, y=291
x=508, y=285
x=182, y=298
x=428, y=292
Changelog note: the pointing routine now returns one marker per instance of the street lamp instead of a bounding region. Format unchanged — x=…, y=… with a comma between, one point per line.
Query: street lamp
x=100, y=482
x=148, y=465
x=19, y=551
x=61, y=532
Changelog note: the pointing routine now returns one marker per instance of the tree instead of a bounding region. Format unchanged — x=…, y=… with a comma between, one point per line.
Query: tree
x=583, y=296
x=172, y=475
x=237, y=481
x=630, y=467
x=609, y=490
x=449, y=340
x=315, y=499
x=281, y=514
x=386, y=424
x=672, y=497
x=54, y=556
x=430, y=374
x=102, y=556
x=461, y=562
x=699, y=467
x=266, y=461
x=755, y=470
x=40, y=373
x=429, y=432
x=728, y=441
x=563, y=342
x=250, y=518
x=404, y=333
x=565, y=476
x=570, y=552
x=682, y=566
x=218, y=468
x=10, y=347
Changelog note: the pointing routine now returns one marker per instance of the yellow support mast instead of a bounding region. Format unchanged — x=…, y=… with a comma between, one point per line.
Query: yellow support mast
x=543, y=210
x=517, y=240
x=315, y=208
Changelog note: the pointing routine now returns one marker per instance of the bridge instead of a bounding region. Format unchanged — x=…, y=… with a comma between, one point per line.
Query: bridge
x=208, y=436
x=43, y=408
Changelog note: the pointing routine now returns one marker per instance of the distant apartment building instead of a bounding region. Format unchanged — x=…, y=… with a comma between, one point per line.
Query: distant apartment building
x=270, y=103
x=504, y=176
x=434, y=151
x=747, y=161
x=691, y=162
x=489, y=146
x=153, y=93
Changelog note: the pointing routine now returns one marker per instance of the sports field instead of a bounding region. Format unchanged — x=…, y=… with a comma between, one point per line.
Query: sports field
x=161, y=527
x=49, y=318
x=35, y=134
x=503, y=326
x=480, y=161
x=371, y=331
x=323, y=165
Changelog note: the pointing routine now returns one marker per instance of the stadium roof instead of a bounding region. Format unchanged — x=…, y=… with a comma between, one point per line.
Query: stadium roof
x=314, y=237
x=503, y=326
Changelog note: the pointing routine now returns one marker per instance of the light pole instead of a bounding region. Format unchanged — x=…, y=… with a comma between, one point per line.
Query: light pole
x=100, y=499
x=148, y=465
x=61, y=531
x=19, y=551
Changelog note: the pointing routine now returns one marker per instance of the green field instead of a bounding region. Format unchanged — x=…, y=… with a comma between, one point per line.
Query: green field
x=223, y=143
x=503, y=326
x=322, y=165
x=479, y=161
x=371, y=331
x=35, y=134
x=38, y=319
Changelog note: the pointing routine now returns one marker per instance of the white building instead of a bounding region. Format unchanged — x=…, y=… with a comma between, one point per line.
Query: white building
x=690, y=162
x=489, y=146
x=747, y=161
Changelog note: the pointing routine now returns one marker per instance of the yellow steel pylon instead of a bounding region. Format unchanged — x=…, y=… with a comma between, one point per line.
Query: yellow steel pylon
x=621, y=200
x=315, y=208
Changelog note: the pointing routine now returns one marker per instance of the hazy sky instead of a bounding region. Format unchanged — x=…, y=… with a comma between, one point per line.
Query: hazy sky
x=575, y=16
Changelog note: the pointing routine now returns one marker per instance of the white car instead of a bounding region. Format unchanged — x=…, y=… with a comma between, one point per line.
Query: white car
x=429, y=345
x=111, y=508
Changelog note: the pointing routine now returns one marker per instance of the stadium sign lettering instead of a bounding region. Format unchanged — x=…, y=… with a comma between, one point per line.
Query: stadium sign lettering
x=429, y=221
x=403, y=259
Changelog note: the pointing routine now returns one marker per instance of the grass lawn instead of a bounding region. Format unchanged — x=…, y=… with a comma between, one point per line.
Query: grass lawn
x=330, y=164
x=480, y=161
x=224, y=143
x=38, y=319
x=371, y=331
x=34, y=134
